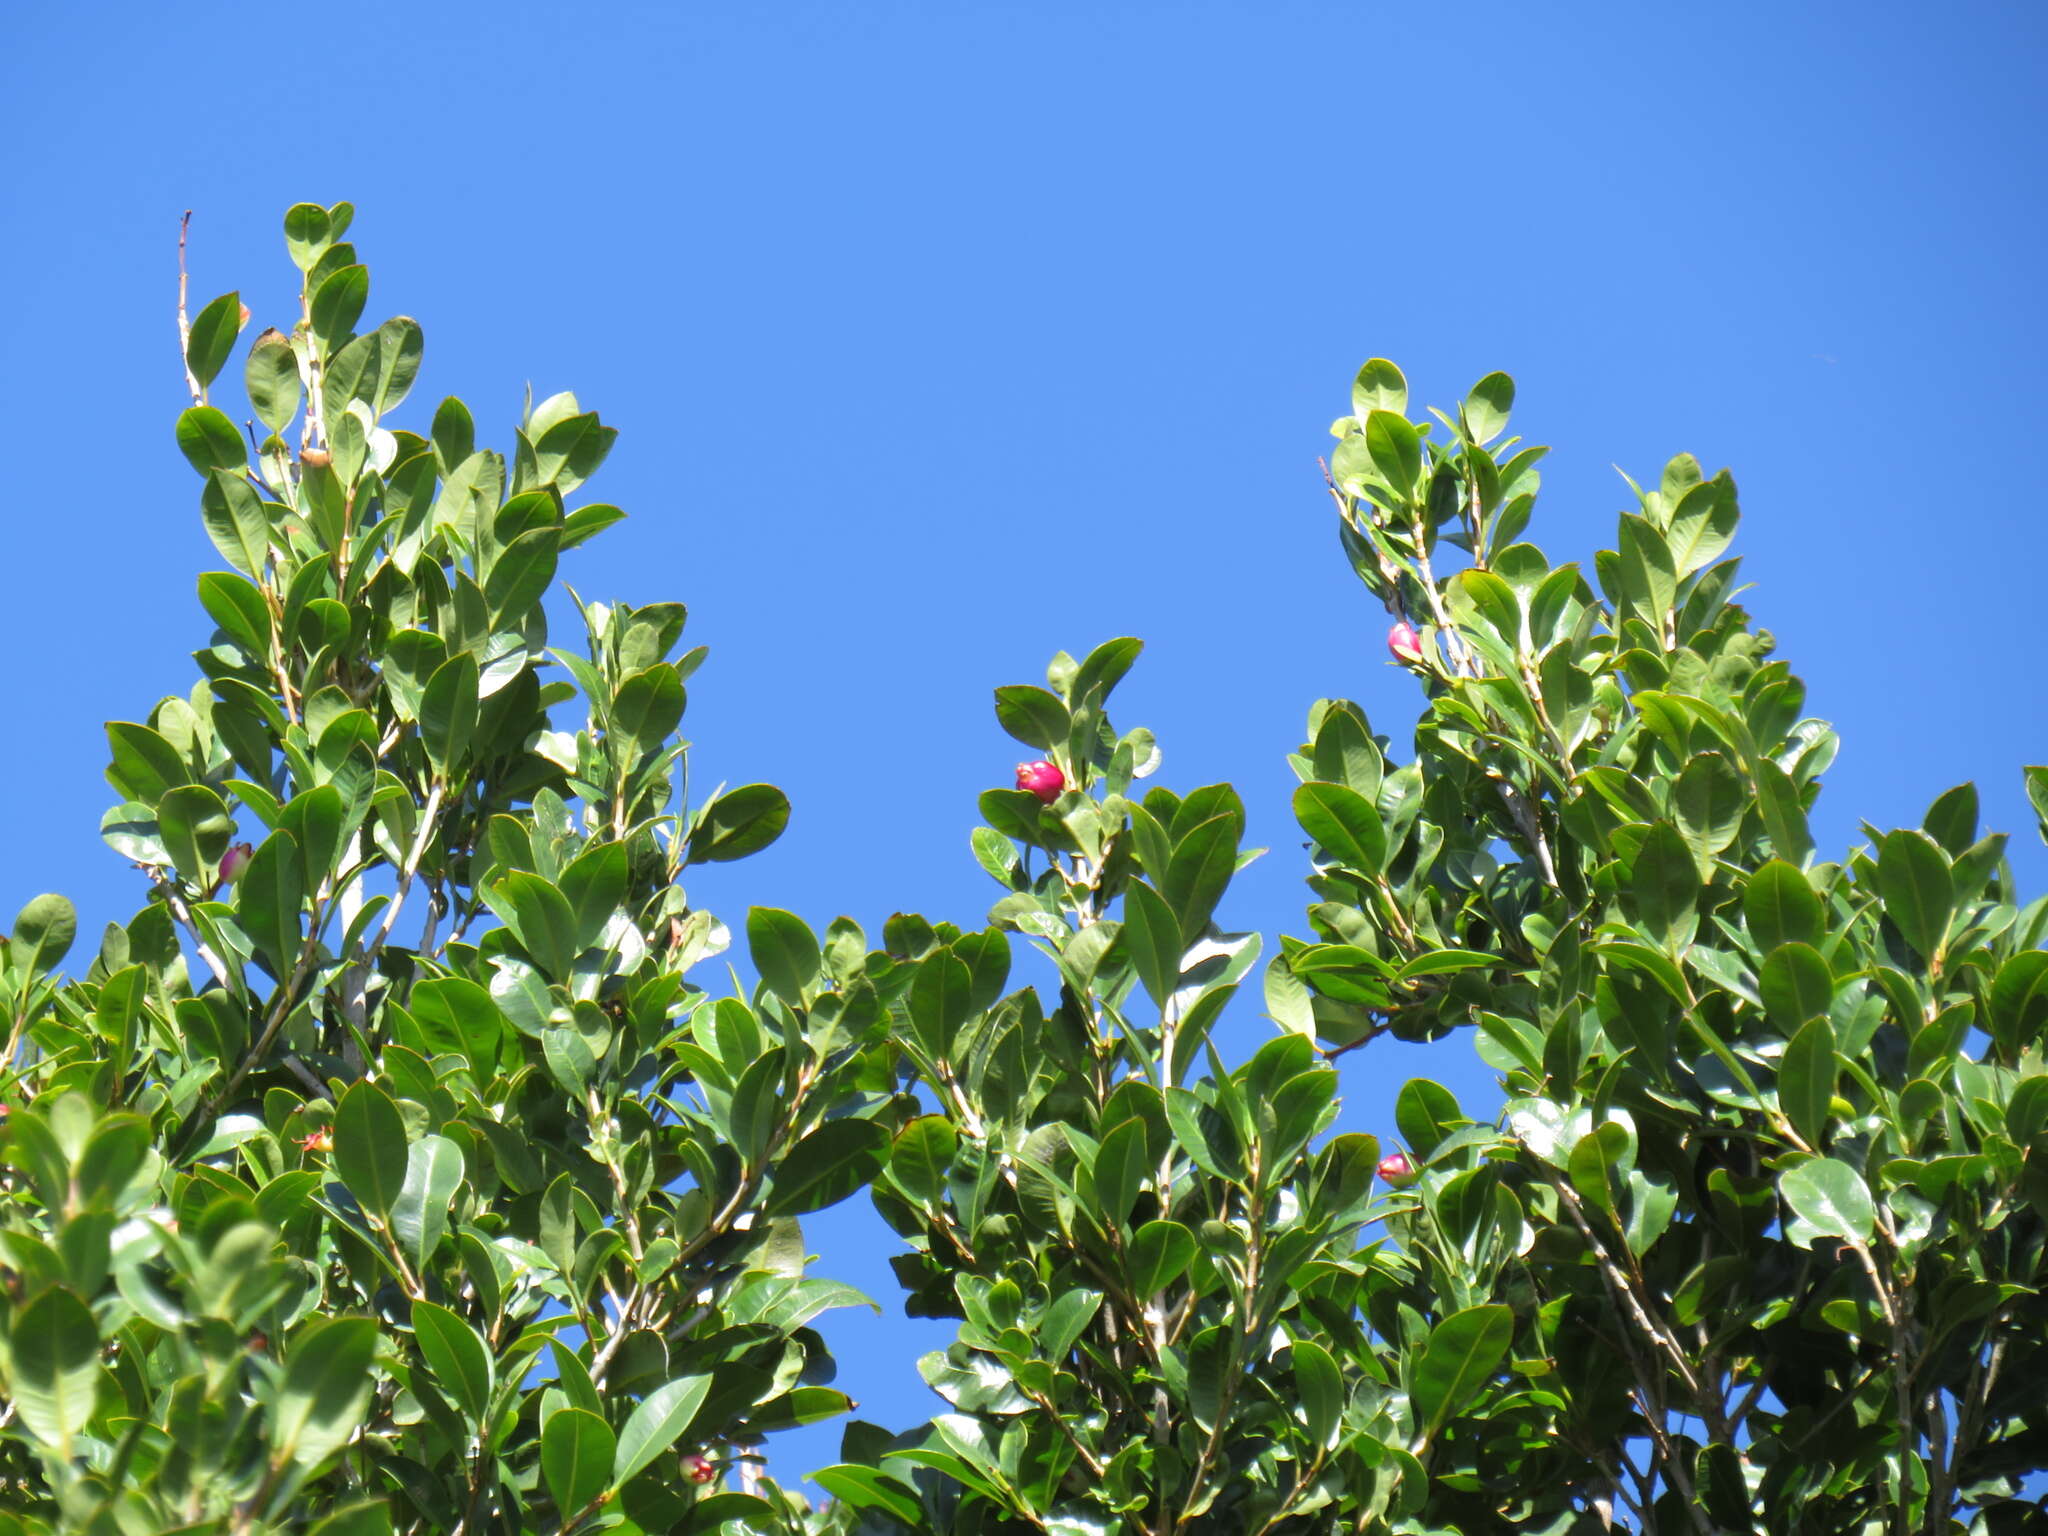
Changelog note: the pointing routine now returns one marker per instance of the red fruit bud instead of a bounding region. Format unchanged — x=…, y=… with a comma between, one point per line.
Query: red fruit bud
x=697, y=1468
x=234, y=861
x=1042, y=779
x=1404, y=642
x=1395, y=1169
x=317, y=1141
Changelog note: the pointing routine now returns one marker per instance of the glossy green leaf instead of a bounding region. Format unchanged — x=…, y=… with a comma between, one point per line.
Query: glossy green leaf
x=1918, y=889
x=785, y=952
x=56, y=1367
x=833, y=1161
x=1796, y=985
x=739, y=822
x=268, y=898
x=1344, y=824
x=921, y=1156
x=1151, y=937
x=1830, y=1199
x=1487, y=407
x=1158, y=1254
x=1463, y=1352
x=338, y=304
x=448, y=714
x=655, y=1424
x=1426, y=1112
x=1033, y=716
x=2019, y=1000
x=577, y=1451
x=210, y=441
x=419, y=1216
x=370, y=1151
x=1780, y=907
x=326, y=1388
x=271, y=378
x=458, y=1358
x=1319, y=1390
x=212, y=337
x=42, y=934
x=1806, y=1080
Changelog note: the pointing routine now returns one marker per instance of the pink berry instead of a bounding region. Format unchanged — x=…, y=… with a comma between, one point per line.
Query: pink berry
x=1404, y=642
x=1396, y=1170
x=1042, y=779
x=698, y=1468
x=234, y=861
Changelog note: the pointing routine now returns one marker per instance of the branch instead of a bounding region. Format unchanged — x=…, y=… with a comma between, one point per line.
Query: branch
x=185, y=325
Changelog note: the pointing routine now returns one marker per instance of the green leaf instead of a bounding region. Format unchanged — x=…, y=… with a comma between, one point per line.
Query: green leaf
x=1829, y=1199
x=1487, y=407
x=2019, y=1000
x=1151, y=938
x=1666, y=886
x=307, y=234
x=941, y=1001
x=1378, y=387
x=921, y=1157
x=448, y=714
x=338, y=305
x=520, y=576
x=737, y=823
x=836, y=1159
x=460, y=1362
x=196, y=827
x=1033, y=716
x=1796, y=985
x=370, y=1151
x=1710, y=798
x=576, y=1453
x=1158, y=1254
x=648, y=706
x=271, y=377
x=1199, y=870
x=212, y=337
x=236, y=521
x=268, y=898
x=365, y=1517
x=1780, y=907
x=1121, y=1168
x=1426, y=1112
x=42, y=935
x=861, y=1487
x=542, y=919
x=1806, y=1079
x=1599, y=1164
x=1463, y=1352
x=56, y=1366
x=785, y=952
x=1344, y=825
x=1319, y=1385
x=1952, y=820
x=1396, y=451
x=1918, y=888
x=419, y=1216
x=656, y=1423
x=326, y=1388
x=236, y=604
x=1784, y=816
x=209, y=441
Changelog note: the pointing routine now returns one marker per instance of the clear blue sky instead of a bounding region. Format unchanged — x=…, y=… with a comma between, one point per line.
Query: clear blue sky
x=943, y=336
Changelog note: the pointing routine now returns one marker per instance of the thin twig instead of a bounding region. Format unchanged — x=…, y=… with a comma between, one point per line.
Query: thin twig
x=184, y=325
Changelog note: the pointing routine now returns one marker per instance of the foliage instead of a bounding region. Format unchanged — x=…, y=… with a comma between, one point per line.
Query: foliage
x=304, y=1229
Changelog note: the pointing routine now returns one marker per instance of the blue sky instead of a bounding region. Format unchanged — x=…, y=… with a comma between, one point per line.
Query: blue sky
x=945, y=336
